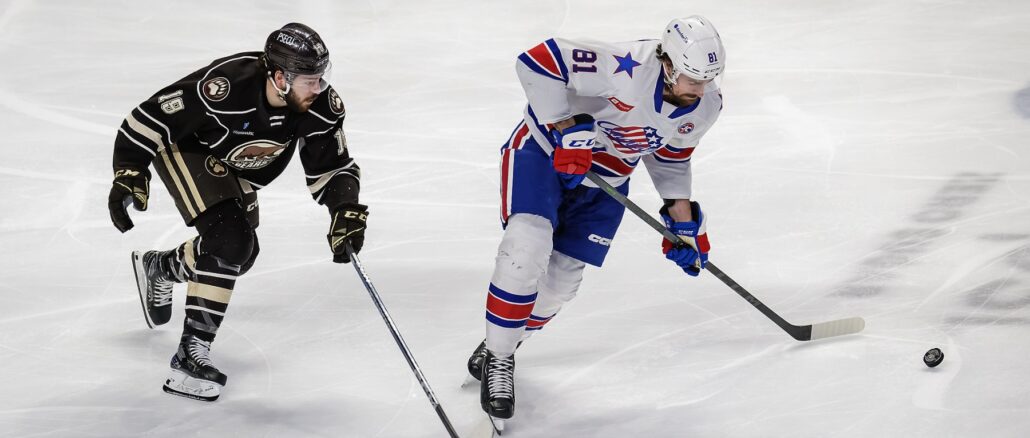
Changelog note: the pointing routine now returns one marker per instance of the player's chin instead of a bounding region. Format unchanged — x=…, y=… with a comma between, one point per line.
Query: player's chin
x=689, y=99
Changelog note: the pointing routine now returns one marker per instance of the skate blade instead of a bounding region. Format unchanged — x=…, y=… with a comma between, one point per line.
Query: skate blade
x=498, y=424
x=469, y=380
x=179, y=383
x=141, y=286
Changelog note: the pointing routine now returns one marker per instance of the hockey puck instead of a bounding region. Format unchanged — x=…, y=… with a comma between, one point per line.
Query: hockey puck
x=933, y=357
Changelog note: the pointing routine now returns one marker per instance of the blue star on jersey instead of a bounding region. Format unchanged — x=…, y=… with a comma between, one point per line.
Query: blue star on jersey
x=626, y=64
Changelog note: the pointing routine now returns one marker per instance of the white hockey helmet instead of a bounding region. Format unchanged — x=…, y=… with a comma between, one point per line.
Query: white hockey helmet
x=694, y=47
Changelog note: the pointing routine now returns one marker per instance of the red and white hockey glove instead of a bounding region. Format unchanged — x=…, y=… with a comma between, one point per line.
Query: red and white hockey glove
x=691, y=254
x=574, y=153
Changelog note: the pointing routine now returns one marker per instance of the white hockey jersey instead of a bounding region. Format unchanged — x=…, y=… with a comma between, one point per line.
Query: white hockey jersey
x=620, y=85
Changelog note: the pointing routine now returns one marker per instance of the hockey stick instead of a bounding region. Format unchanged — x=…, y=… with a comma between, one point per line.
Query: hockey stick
x=821, y=330
x=400, y=341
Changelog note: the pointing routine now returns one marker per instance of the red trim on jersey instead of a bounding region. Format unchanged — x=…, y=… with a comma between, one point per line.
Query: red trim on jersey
x=517, y=141
x=670, y=155
x=612, y=163
x=505, y=165
x=542, y=55
x=520, y=136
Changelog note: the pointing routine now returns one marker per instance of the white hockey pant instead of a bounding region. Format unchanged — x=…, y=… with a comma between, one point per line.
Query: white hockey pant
x=530, y=282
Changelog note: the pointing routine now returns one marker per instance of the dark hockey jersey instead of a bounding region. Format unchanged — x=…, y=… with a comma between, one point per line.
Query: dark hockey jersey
x=221, y=110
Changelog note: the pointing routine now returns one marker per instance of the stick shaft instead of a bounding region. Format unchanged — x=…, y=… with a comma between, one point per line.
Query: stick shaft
x=801, y=333
x=400, y=341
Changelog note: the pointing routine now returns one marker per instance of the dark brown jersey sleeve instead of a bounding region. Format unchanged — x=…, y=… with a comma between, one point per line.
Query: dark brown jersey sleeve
x=332, y=175
x=169, y=115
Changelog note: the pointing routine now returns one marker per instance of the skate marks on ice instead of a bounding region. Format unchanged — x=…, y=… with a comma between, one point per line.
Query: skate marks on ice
x=1003, y=299
x=1022, y=102
x=936, y=220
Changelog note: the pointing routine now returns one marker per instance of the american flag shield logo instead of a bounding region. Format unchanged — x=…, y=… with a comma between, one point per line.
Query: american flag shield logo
x=632, y=139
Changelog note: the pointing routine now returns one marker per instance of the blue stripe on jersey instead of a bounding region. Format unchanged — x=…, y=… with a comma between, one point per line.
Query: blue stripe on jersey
x=510, y=297
x=551, y=44
x=552, y=47
x=538, y=69
x=543, y=130
x=511, y=137
x=666, y=160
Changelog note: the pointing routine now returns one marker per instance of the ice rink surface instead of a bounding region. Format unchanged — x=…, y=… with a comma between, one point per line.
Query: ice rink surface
x=871, y=160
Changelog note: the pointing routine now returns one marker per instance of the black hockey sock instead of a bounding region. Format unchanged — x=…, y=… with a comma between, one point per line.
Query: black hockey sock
x=207, y=296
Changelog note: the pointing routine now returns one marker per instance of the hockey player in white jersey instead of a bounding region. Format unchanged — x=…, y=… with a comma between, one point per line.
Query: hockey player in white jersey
x=604, y=107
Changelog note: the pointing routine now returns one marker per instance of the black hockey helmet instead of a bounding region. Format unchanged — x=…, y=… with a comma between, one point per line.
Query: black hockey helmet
x=296, y=49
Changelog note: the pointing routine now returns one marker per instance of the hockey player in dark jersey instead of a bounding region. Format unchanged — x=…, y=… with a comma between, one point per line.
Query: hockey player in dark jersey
x=215, y=138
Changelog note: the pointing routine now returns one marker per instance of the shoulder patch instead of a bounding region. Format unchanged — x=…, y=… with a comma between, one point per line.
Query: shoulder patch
x=335, y=103
x=215, y=89
x=173, y=105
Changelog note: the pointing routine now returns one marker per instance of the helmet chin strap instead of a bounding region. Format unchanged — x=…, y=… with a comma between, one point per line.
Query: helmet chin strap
x=281, y=93
x=670, y=79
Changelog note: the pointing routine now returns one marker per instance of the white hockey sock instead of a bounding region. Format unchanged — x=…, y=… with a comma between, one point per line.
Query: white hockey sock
x=522, y=259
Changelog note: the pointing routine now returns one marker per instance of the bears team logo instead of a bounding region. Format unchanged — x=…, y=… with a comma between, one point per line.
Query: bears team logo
x=685, y=128
x=255, y=154
x=215, y=89
x=335, y=103
x=215, y=167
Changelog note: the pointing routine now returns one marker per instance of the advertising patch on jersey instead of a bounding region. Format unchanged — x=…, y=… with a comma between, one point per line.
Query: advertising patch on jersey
x=620, y=105
x=215, y=167
x=632, y=139
x=685, y=128
x=215, y=89
x=335, y=103
x=255, y=154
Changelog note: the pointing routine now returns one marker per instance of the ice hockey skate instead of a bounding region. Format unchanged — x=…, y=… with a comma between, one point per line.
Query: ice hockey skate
x=497, y=388
x=155, y=288
x=475, y=363
x=193, y=375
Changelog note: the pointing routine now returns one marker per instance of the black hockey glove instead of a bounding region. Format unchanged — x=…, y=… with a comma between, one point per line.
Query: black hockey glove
x=348, y=225
x=131, y=186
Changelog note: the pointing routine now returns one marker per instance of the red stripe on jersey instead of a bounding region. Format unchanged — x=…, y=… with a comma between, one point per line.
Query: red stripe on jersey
x=612, y=163
x=506, y=164
x=682, y=155
x=519, y=139
x=545, y=59
x=506, y=310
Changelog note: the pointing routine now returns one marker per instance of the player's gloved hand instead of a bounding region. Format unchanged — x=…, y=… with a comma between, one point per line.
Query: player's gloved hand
x=348, y=225
x=574, y=153
x=691, y=254
x=131, y=186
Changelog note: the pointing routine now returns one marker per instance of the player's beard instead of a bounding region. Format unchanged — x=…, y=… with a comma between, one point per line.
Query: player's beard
x=684, y=100
x=295, y=104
